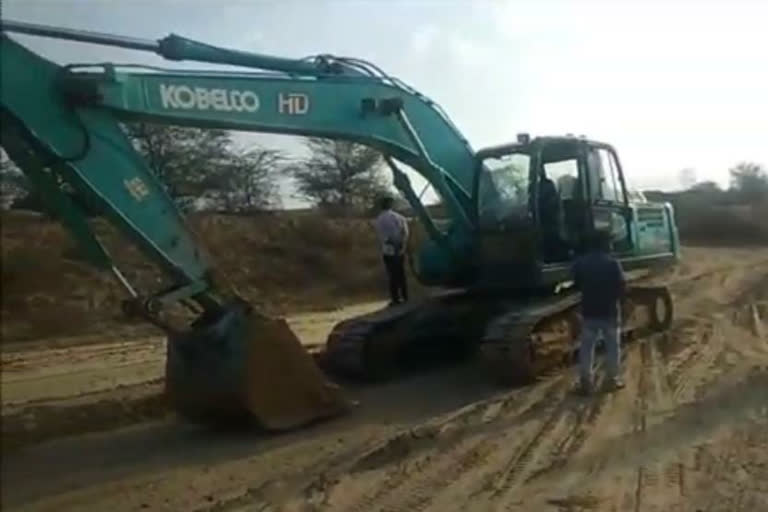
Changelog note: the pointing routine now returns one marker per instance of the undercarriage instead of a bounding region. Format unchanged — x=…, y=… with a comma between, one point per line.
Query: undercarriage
x=517, y=338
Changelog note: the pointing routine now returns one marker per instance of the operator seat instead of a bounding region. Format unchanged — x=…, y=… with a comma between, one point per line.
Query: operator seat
x=550, y=214
x=573, y=209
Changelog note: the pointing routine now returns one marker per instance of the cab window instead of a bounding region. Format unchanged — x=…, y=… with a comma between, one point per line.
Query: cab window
x=603, y=174
x=565, y=175
x=610, y=185
x=503, y=187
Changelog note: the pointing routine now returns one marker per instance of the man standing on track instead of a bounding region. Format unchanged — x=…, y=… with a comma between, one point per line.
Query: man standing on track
x=392, y=231
x=600, y=278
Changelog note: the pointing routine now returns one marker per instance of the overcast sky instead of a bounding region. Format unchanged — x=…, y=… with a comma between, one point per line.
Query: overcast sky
x=672, y=84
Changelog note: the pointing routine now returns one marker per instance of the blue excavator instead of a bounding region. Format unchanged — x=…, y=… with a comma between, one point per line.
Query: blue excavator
x=511, y=219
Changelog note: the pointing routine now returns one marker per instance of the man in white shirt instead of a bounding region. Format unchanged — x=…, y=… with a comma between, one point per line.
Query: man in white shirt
x=392, y=231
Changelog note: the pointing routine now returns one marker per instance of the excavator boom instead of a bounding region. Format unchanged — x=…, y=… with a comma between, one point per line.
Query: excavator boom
x=62, y=126
x=324, y=96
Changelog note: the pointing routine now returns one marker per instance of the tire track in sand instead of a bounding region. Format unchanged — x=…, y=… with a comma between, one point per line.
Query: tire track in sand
x=518, y=465
x=587, y=416
x=416, y=489
x=556, y=438
x=647, y=476
x=563, y=430
x=601, y=417
x=654, y=392
x=561, y=434
x=648, y=389
x=664, y=391
x=694, y=363
x=673, y=471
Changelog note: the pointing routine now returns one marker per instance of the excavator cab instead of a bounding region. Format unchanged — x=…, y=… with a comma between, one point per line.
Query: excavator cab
x=537, y=199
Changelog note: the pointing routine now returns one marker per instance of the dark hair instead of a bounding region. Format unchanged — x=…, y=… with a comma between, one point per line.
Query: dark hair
x=386, y=202
x=598, y=240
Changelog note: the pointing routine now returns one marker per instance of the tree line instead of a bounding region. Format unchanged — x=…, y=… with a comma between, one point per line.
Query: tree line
x=709, y=214
x=203, y=169
x=748, y=185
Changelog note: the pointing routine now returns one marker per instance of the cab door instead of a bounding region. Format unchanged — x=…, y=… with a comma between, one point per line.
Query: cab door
x=608, y=202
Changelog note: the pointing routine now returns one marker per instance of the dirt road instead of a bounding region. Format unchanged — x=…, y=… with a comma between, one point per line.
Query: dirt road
x=688, y=433
x=46, y=374
x=70, y=388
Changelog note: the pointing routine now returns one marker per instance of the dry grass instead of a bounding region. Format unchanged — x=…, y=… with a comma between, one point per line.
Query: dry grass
x=284, y=262
x=716, y=218
x=723, y=225
x=280, y=262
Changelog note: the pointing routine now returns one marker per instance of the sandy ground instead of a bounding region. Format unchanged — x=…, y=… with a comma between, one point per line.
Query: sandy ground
x=688, y=433
x=45, y=374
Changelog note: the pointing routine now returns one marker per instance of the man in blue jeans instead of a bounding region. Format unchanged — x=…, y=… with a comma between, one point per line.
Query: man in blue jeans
x=599, y=277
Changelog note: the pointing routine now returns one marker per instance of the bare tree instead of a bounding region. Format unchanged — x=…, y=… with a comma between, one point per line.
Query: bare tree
x=749, y=180
x=199, y=167
x=340, y=176
x=182, y=158
x=247, y=182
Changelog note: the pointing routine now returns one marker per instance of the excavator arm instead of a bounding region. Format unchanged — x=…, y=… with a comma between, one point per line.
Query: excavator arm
x=324, y=96
x=62, y=126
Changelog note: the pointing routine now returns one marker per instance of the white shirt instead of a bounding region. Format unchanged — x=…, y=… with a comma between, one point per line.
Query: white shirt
x=392, y=230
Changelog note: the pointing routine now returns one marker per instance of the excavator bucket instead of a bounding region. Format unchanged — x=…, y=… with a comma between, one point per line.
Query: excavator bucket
x=247, y=366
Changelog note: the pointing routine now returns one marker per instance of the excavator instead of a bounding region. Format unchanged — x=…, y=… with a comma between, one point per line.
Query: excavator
x=513, y=217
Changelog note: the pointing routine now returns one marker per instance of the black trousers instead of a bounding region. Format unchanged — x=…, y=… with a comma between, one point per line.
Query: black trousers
x=398, y=287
